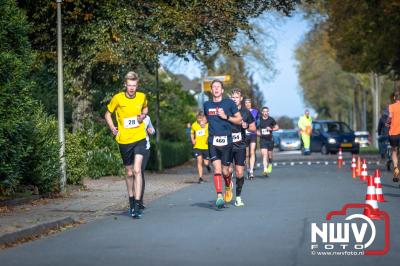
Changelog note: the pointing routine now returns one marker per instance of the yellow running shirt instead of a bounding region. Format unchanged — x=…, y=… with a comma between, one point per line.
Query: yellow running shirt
x=126, y=111
x=200, y=135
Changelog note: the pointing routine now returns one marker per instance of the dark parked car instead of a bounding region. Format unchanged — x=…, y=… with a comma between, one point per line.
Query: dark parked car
x=329, y=136
x=289, y=140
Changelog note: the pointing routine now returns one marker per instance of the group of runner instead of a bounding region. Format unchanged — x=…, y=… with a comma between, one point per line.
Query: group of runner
x=226, y=133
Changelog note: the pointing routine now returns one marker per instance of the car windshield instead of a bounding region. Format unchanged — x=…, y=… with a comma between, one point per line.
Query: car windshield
x=289, y=135
x=338, y=127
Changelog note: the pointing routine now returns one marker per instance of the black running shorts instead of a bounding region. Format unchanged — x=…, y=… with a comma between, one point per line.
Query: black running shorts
x=394, y=141
x=239, y=156
x=267, y=144
x=128, y=151
x=203, y=153
x=223, y=153
x=251, y=139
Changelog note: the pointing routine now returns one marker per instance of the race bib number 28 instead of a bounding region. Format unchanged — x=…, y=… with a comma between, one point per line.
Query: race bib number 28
x=220, y=140
x=131, y=122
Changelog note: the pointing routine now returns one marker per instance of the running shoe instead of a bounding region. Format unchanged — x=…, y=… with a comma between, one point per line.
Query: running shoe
x=239, y=202
x=141, y=206
x=251, y=176
x=201, y=180
x=269, y=169
x=137, y=214
x=265, y=172
x=228, y=193
x=219, y=202
x=396, y=173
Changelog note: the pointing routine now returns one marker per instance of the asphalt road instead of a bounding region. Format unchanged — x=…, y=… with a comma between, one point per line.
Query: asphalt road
x=184, y=228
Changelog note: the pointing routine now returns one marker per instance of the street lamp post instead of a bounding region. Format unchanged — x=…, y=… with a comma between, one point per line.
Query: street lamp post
x=61, y=137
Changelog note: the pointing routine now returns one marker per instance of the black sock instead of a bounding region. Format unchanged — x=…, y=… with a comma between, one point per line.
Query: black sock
x=131, y=202
x=239, y=186
x=136, y=205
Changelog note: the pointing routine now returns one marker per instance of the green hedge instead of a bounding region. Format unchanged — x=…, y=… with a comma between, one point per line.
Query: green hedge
x=92, y=153
x=44, y=163
x=172, y=153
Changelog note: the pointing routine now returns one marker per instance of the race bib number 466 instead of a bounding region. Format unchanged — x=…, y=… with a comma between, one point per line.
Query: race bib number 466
x=131, y=122
x=220, y=140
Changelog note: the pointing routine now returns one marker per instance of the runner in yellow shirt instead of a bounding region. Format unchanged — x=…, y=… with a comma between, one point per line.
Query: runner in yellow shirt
x=199, y=137
x=130, y=109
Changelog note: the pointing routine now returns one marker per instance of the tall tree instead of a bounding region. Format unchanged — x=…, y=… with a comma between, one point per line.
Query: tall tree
x=325, y=86
x=366, y=37
x=123, y=32
x=365, y=34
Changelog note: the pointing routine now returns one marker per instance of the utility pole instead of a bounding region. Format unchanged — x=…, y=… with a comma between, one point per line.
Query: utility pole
x=158, y=134
x=61, y=137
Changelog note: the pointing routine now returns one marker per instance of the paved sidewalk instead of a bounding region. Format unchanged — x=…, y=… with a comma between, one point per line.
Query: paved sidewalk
x=101, y=197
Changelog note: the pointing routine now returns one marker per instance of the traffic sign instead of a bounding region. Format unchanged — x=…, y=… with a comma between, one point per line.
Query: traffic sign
x=208, y=80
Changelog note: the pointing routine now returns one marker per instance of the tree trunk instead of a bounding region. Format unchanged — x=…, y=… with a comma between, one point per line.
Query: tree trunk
x=363, y=109
x=376, y=90
x=81, y=102
x=356, y=108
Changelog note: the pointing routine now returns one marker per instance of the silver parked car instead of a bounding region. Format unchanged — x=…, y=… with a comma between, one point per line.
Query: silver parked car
x=289, y=140
x=363, y=138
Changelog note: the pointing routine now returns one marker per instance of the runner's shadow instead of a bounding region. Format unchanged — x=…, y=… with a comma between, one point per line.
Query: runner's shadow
x=209, y=205
x=190, y=182
x=387, y=185
x=392, y=195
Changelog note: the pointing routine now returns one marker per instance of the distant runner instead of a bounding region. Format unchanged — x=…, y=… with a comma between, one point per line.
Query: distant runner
x=265, y=128
x=251, y=141
x=221, y=114
x=199, y=137
x=239, y=143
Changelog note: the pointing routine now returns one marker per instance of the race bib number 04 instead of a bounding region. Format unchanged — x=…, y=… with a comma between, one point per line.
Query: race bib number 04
x=200, y=133
x=237, y=137
x=220, y=140
x=264, y=131
x=131, y=122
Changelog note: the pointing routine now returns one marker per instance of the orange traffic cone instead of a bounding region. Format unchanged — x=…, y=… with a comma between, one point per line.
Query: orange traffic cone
x=364, y=172
x=358, y=167
x=370, y=199
x=353, y=167
x=378, y=186
x=340, y=159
